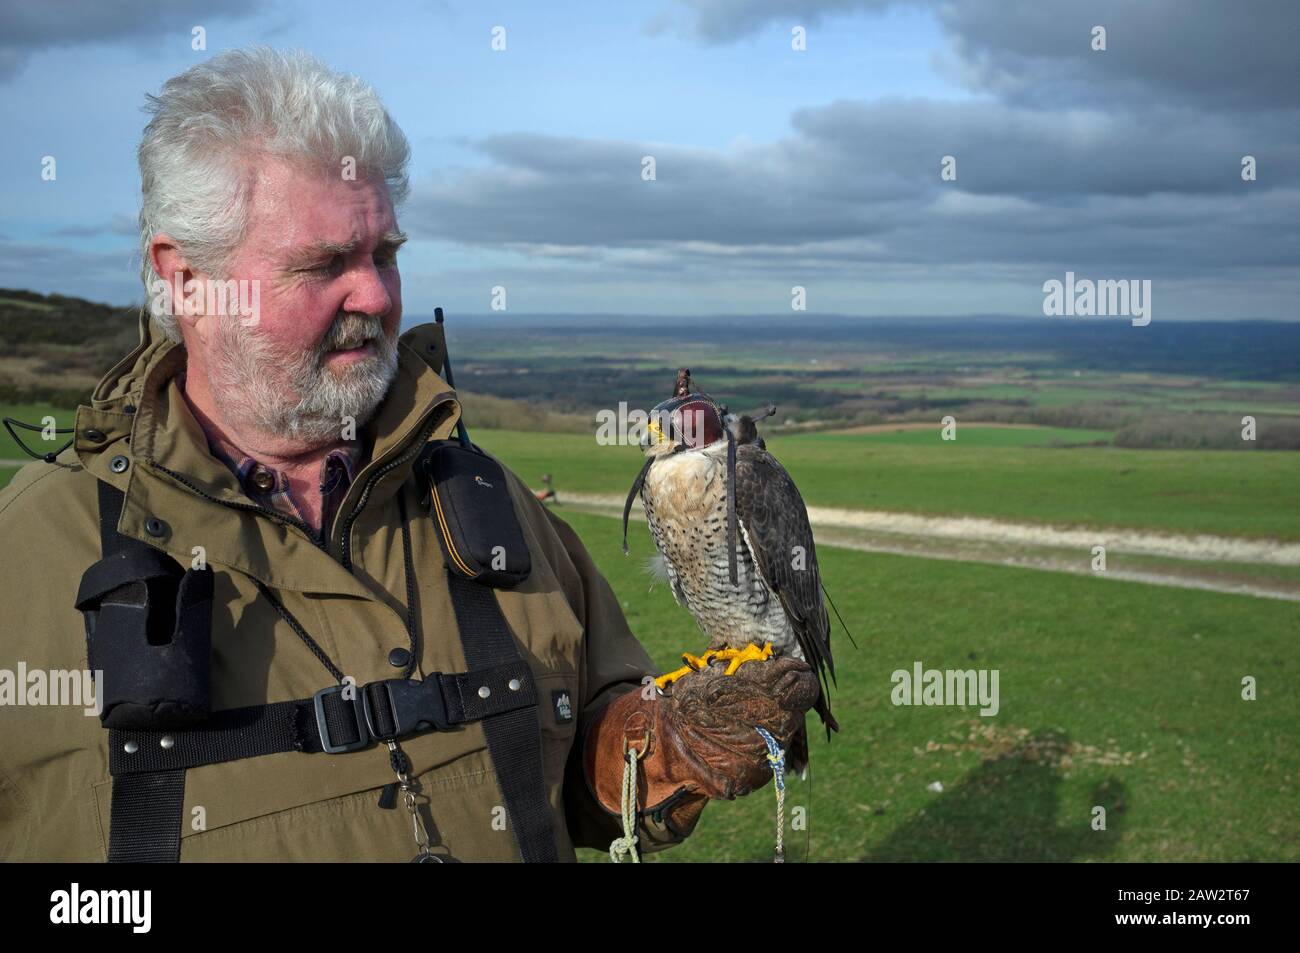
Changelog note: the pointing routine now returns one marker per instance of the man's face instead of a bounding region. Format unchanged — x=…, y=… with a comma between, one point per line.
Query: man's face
x=324, y=345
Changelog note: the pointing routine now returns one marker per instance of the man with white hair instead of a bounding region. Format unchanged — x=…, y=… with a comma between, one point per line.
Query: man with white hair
x=295, y=656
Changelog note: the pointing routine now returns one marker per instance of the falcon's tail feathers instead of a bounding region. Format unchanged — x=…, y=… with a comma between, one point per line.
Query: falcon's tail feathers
x=823, y=709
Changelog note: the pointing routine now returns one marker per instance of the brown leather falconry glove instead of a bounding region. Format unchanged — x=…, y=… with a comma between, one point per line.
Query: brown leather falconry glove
x=701, y=738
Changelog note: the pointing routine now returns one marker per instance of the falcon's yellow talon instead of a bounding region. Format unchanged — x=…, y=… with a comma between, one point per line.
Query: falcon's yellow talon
x=693, y=664
x=733, y=657
x=663, y=681
x=698, y=662
x=750, y=653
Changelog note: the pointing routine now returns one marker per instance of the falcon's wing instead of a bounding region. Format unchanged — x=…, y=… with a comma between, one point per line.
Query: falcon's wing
x=775, y=519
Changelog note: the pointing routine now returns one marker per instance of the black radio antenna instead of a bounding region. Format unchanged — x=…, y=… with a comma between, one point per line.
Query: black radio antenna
x=451, y=381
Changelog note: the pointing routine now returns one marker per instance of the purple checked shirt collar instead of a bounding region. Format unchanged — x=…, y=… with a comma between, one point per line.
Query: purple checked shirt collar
x=269, y=487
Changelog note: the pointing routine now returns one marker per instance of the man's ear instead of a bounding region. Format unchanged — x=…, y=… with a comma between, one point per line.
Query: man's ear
x=174, y=270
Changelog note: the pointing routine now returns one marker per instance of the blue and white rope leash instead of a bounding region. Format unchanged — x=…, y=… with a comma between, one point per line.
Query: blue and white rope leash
x=776, y=760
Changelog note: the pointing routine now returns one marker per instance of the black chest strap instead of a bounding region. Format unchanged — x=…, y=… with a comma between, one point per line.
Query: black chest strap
x=514, y=738
x=148, y=766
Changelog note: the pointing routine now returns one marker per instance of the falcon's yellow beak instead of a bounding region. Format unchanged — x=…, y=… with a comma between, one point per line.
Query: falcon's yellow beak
x=654, y=435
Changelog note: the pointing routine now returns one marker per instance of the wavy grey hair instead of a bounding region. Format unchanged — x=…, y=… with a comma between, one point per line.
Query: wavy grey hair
x=210, y=125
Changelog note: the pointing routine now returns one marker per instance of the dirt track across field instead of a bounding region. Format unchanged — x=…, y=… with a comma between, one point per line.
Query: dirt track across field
x=929, y=425
x=1217, y=563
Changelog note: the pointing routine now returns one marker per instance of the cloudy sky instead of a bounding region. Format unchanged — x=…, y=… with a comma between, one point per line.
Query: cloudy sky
x=775, y=167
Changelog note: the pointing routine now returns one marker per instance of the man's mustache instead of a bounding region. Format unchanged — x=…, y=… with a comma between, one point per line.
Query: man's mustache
x=349, y=331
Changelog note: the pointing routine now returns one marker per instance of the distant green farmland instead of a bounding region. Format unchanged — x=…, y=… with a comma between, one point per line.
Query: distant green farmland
x=973, y=436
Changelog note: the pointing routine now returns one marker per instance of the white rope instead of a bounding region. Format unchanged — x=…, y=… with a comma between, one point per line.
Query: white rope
x=626, y=845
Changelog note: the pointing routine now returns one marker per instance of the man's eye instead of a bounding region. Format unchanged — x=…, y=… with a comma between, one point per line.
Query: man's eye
x=385, y=259
x=326, y=267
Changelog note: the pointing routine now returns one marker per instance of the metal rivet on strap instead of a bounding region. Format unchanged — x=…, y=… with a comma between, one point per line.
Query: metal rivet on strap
x=95, y=436
x=130, y=747
x=484, y=692
x=167, y=741
x=118, y=464
x=154, y=526
x=514, y=684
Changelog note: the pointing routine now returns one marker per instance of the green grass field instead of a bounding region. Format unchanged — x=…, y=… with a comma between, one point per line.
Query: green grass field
x=1113, y=694
x=973, y=436
x=993, y=472
x=33, y=414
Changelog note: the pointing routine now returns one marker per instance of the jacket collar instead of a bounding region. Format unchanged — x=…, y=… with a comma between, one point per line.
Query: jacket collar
x=137, y=411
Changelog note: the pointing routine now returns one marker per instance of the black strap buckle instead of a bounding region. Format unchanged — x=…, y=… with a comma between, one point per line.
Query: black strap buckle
x=322, y=724
x=409, y=705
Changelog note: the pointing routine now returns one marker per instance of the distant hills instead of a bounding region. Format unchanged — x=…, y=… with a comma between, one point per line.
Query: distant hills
x=56, y=347
x=1170, y=384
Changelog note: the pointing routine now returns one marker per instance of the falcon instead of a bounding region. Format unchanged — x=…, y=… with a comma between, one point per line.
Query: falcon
x=734, y=535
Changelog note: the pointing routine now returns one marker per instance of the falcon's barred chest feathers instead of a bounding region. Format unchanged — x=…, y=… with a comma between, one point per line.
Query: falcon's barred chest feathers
x=691, y=445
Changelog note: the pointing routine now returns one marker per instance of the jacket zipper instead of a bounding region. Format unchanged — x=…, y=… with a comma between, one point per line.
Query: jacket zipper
x=417, y=447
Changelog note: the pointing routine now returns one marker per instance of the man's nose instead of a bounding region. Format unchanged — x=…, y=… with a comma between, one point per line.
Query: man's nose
x=369, y=294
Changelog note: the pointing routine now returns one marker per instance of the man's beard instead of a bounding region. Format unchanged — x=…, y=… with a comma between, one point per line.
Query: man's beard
x=286, y=393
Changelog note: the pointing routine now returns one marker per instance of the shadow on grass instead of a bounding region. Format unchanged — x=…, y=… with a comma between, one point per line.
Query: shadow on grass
x=1008, y=810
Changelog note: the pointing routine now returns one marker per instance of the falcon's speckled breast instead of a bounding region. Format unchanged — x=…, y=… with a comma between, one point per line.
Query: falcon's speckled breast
x=685, y=499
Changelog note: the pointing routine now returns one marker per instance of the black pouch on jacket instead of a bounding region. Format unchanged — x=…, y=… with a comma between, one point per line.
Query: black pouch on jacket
x=475, y=519
x=149, y=630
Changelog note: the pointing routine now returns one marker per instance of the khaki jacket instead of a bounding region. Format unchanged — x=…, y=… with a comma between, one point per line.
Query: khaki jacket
x=55, y=788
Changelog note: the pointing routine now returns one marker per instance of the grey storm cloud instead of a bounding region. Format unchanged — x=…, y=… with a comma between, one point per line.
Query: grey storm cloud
x=1210, y=52
x=1017, y=150
x=1130, y=158
x=725, y=21
x=26, y=28
x=1204, y=52
x=859, y=183
x=548, y=190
